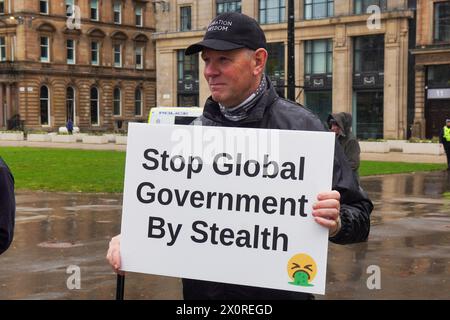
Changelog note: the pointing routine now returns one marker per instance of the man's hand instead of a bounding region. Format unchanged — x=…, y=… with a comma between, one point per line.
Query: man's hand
x=113, y=255
x=326, y=211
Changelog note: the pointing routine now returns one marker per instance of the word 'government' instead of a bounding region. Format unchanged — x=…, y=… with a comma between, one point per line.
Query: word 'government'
x=224, y=164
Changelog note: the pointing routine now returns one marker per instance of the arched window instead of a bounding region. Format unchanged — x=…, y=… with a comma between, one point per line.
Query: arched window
x=117, y=102
x=95, y=110
x=44, y=105
x=138, y=102
x=70, y=104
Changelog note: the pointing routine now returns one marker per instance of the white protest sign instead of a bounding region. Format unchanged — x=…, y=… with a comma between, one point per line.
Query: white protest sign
x=230, y=205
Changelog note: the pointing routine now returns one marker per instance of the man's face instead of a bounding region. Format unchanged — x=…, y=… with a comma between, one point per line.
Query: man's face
x=335, y=128
x=232, y=75
x=448, y=123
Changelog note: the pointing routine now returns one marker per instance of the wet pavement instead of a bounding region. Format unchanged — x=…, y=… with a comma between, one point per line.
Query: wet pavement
x=409, y=243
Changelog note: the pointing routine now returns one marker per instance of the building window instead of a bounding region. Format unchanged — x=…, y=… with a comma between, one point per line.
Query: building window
x=187, y=66
x=185, y=18
x=118, y=55
x=118, y=12
x=70, y=51
x=317, y=9
x=223, y=6
x=94, y=10
x=319, y=102
x=117, y=102
x=442, y=21
x=138, y=102
x=2, y=49
x=69, y=7
x=95, y=53
x=43, y=6
x=139, y=57
x=94, y=102
x=45, y=52
x=272, y=11
x=275, y=66
x=138, y=16
x=2, y=6
x=188, y=81
x=44, y=105
x=369, y=54
x=70, y=104
x=360, y=6
x=319, y=57
x=438, y=76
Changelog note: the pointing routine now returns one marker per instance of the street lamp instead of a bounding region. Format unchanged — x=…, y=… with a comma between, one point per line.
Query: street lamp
x=291, y=51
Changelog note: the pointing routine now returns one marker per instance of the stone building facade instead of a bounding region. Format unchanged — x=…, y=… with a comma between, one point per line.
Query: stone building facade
x=90, y=61
x=432, y=68
x=350, y=56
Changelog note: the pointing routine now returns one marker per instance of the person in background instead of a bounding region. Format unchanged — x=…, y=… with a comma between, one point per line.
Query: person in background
x=444, y=138
x=69, y=126
x=341, y=124
x=7, y=206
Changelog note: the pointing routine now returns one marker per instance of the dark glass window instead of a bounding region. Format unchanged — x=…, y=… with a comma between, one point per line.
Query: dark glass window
x=45, y=56
x=369, y=114
x=369, y=54
x=117, y=8
x=70, y=51
x=2, y=49
x=138, y=16
x=138, y=102
x=317, y=9
x=70, y=103
x=94, y=9
x=442, y=21
x=438, y=76
x=185, y=18
x=187, y=66
x=187, y=84
x=320, y=102
x=44, y=105
x=94, y=106
x=117, y=102
x=275, y=66
x=94, y=53
x=272, y=11
x=360, y=6
x=227, y=6
x=319, y=56
x=43, y=6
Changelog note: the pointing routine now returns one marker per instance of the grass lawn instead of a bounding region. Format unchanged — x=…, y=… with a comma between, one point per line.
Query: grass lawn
x=371, y=168
x=65, y=169
x=103, y=171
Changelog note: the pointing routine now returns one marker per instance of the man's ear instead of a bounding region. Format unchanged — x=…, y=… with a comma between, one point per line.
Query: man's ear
x=260, y=61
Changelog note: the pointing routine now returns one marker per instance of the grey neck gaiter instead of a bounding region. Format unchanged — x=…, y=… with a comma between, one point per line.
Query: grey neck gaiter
x=240, y=112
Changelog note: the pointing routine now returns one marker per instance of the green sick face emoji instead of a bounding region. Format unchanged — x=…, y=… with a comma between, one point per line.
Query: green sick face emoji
x=302, y=269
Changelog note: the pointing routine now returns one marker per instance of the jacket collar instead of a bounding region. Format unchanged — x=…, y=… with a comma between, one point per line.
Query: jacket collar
x=212, y=110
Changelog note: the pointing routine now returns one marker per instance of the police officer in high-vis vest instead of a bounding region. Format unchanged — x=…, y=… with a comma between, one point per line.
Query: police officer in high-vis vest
x=444, y=138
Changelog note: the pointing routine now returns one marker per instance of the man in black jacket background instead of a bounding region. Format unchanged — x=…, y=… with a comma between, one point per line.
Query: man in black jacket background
x=235, y=54
x=7, y=206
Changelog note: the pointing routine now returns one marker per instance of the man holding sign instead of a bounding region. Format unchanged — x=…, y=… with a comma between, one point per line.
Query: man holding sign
x=234, y=52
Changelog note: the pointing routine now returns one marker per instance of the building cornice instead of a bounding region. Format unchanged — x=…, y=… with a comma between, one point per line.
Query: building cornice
x=20, y=68
x=299, y=24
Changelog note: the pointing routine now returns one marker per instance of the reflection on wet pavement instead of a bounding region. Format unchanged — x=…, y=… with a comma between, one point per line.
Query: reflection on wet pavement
x=409, y=242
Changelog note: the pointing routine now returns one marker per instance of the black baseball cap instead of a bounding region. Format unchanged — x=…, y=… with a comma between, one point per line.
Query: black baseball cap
x=229, y=31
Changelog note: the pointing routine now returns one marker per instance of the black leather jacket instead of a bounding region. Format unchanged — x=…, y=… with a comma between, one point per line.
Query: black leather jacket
x=7, y=206
x=273, y=112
